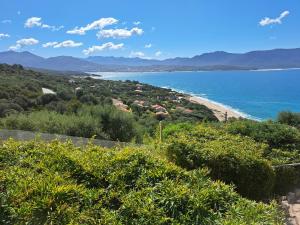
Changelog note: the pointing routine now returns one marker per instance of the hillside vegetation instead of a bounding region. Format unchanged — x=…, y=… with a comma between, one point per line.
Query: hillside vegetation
x=102, y=108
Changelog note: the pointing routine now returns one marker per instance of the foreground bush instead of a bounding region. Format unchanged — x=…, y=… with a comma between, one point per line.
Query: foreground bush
x=232, y=159
x=57, y=183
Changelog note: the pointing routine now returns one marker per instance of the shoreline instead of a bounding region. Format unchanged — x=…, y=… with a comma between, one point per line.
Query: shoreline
x=218, y=109
x=189, y=71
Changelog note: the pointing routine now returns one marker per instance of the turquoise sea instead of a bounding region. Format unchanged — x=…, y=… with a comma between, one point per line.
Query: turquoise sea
x=258, y=94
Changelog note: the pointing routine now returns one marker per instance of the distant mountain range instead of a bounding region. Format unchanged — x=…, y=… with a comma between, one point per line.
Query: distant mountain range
x=268, y=59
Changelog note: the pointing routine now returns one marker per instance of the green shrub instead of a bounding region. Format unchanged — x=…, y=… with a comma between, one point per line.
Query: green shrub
x=7, y=108
x=274, y=134
x=46, y=99
x=287, y=179
x=289, y=118
x=52, y=122
x=88, y=99
x=56, y=183
x=3, y=95
x=105, y=122
x=232, y=159
x=118, y=125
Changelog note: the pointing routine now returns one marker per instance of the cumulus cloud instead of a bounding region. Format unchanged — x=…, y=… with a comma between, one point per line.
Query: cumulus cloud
x=4, y=36
x=268, y=21
x=33, y=22
x=148, y=45
x=98, y=24
x=98, y=48
x=23, y=42
x=137, y=54
x=64, y=44
x=158, y=53
x=119, y=33
x=37, y=22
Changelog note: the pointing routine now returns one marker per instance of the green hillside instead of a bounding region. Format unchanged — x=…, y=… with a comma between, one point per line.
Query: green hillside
x=100, y=107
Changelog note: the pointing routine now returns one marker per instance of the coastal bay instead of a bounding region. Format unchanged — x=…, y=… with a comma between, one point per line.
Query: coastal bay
x=258, y=95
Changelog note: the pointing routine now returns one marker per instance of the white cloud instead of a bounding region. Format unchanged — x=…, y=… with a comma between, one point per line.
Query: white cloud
x=37, y=22
x=33, y=22
x=268, y=21
x=98, y=24
x=23, y=42
x=137, y=54
x=50, y=44
x=148, y=45
x=98, y=48
x=6, y=21
x=68, y=44
x=4, y=36
x=158, y=53
x=64, y=44
x=53, y=28
x=119, y=33
x=137, y=23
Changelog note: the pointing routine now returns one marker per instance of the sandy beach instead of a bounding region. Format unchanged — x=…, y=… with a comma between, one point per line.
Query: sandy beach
x=218, y=109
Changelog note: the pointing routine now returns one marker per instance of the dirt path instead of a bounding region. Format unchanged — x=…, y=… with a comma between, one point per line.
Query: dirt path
x=292, y=207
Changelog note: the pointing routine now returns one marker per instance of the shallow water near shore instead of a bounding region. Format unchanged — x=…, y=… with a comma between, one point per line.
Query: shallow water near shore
x=257, y=94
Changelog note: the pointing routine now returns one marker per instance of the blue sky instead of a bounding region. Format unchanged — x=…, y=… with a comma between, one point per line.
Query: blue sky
x=150, y=29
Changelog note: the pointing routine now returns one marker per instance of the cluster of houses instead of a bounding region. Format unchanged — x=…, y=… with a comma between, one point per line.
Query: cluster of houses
x=159, y=110
x=155, y=108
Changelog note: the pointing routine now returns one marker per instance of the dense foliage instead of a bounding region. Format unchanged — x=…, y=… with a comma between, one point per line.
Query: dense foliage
x=289, y=118
x=274, y=134
x=238, y=152
x=57, y=183
x=102, y=122
x=230, y=158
